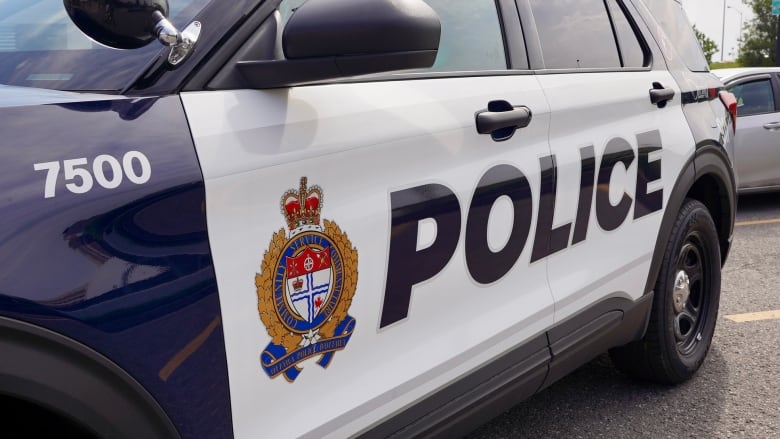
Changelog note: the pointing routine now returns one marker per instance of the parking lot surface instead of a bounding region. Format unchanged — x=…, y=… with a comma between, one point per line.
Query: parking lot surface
x=735, y=394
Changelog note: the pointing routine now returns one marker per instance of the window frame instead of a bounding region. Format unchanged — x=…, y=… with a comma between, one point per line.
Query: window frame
x=646, y=52
x=536, y=55
x=774, y=82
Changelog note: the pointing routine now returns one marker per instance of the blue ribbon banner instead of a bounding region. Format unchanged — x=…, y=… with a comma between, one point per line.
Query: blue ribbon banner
x=276, y=361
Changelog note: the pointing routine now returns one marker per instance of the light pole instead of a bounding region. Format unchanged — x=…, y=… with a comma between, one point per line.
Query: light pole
x=740, y=22
x=723, y=32
x=740, y=17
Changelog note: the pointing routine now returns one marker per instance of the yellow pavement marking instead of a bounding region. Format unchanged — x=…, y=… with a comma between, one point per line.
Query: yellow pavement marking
x=757, y=223
x=755, y=316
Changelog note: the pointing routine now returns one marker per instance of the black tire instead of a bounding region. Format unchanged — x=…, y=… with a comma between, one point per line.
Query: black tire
x=681, y=325
x=24, y=420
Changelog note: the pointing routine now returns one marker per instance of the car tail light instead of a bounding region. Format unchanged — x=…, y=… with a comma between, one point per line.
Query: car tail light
x=730, y=101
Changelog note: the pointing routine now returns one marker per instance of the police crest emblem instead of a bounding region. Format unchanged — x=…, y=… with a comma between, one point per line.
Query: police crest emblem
x=305, y=287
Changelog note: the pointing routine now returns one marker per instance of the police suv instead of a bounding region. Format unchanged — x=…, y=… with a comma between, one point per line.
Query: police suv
x=334, y=218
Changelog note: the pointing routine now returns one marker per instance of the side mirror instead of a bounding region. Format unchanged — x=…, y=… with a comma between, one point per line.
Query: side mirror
x=124, y=24
x=328, y=39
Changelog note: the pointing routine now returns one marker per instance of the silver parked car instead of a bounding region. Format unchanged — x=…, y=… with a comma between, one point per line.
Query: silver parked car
x=757, y=146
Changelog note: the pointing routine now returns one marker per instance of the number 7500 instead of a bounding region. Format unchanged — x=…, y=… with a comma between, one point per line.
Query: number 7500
x=135, y=166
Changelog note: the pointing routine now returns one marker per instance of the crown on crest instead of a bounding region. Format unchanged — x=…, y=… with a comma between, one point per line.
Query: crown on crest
x=302, y=208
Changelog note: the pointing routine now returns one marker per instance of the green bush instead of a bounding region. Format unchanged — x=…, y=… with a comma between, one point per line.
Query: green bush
x=725, y=65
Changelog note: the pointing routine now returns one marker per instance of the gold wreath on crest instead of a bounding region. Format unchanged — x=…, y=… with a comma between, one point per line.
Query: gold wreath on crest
x=264, y=283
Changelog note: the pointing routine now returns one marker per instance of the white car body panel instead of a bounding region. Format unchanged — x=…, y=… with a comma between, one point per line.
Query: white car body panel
x=593, y=110
x=360, y=142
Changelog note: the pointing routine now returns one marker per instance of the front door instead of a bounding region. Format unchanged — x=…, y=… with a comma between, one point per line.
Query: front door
x=370, y=245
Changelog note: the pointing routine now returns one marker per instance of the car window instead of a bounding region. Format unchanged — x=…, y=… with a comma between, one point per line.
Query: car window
x=575, y=34
x=631, y=49
x=755, y=97
x=671, y=17
x=41, y=47
x=471, y=37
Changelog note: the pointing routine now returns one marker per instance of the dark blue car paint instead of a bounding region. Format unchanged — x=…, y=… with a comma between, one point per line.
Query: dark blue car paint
x=127, y=272
x=12, y=96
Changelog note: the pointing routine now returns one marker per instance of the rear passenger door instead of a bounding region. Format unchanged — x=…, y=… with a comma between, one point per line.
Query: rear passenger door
x=757, y=147
x=370, y=245
x=616, y=154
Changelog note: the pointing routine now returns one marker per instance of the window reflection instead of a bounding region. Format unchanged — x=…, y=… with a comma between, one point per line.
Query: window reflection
x=41, y=47
x=470, y=36
x=575, y=34
x=754, y=97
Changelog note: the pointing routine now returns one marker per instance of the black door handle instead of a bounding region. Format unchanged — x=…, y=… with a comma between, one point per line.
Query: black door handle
x=501, y=119
x=660, y=95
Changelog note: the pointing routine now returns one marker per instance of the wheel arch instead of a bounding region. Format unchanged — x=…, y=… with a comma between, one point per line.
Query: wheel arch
x=709, y=178
x=77, y=383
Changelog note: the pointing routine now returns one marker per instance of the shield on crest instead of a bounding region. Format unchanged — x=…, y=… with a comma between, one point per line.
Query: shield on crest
x=309, y=280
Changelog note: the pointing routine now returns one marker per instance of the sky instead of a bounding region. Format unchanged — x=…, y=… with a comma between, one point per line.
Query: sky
x=707, y=15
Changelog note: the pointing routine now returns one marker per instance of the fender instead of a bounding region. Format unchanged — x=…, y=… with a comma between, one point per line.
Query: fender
x=708, y=177
x=712, y=160
x=104, y=241
x=71, y=379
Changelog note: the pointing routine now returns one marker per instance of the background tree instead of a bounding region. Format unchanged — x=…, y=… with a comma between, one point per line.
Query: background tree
x=759, y=39
x=708, y=46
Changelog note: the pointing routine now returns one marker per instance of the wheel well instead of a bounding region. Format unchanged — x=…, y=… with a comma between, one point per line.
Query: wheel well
x=708, y=178
x=70, y=381
x=711, y=192
x=22, y=418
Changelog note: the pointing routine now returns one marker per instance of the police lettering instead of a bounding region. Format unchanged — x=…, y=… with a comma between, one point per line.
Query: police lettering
x=408, y=266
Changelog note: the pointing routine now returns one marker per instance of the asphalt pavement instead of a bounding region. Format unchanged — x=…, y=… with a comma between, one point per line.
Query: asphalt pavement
x=736, y=393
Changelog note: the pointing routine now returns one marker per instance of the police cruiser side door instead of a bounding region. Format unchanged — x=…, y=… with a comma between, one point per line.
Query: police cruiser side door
x=619, y=140
x=370, y=245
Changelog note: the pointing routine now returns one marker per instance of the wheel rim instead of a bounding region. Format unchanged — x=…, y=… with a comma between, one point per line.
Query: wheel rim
x=689, y=298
